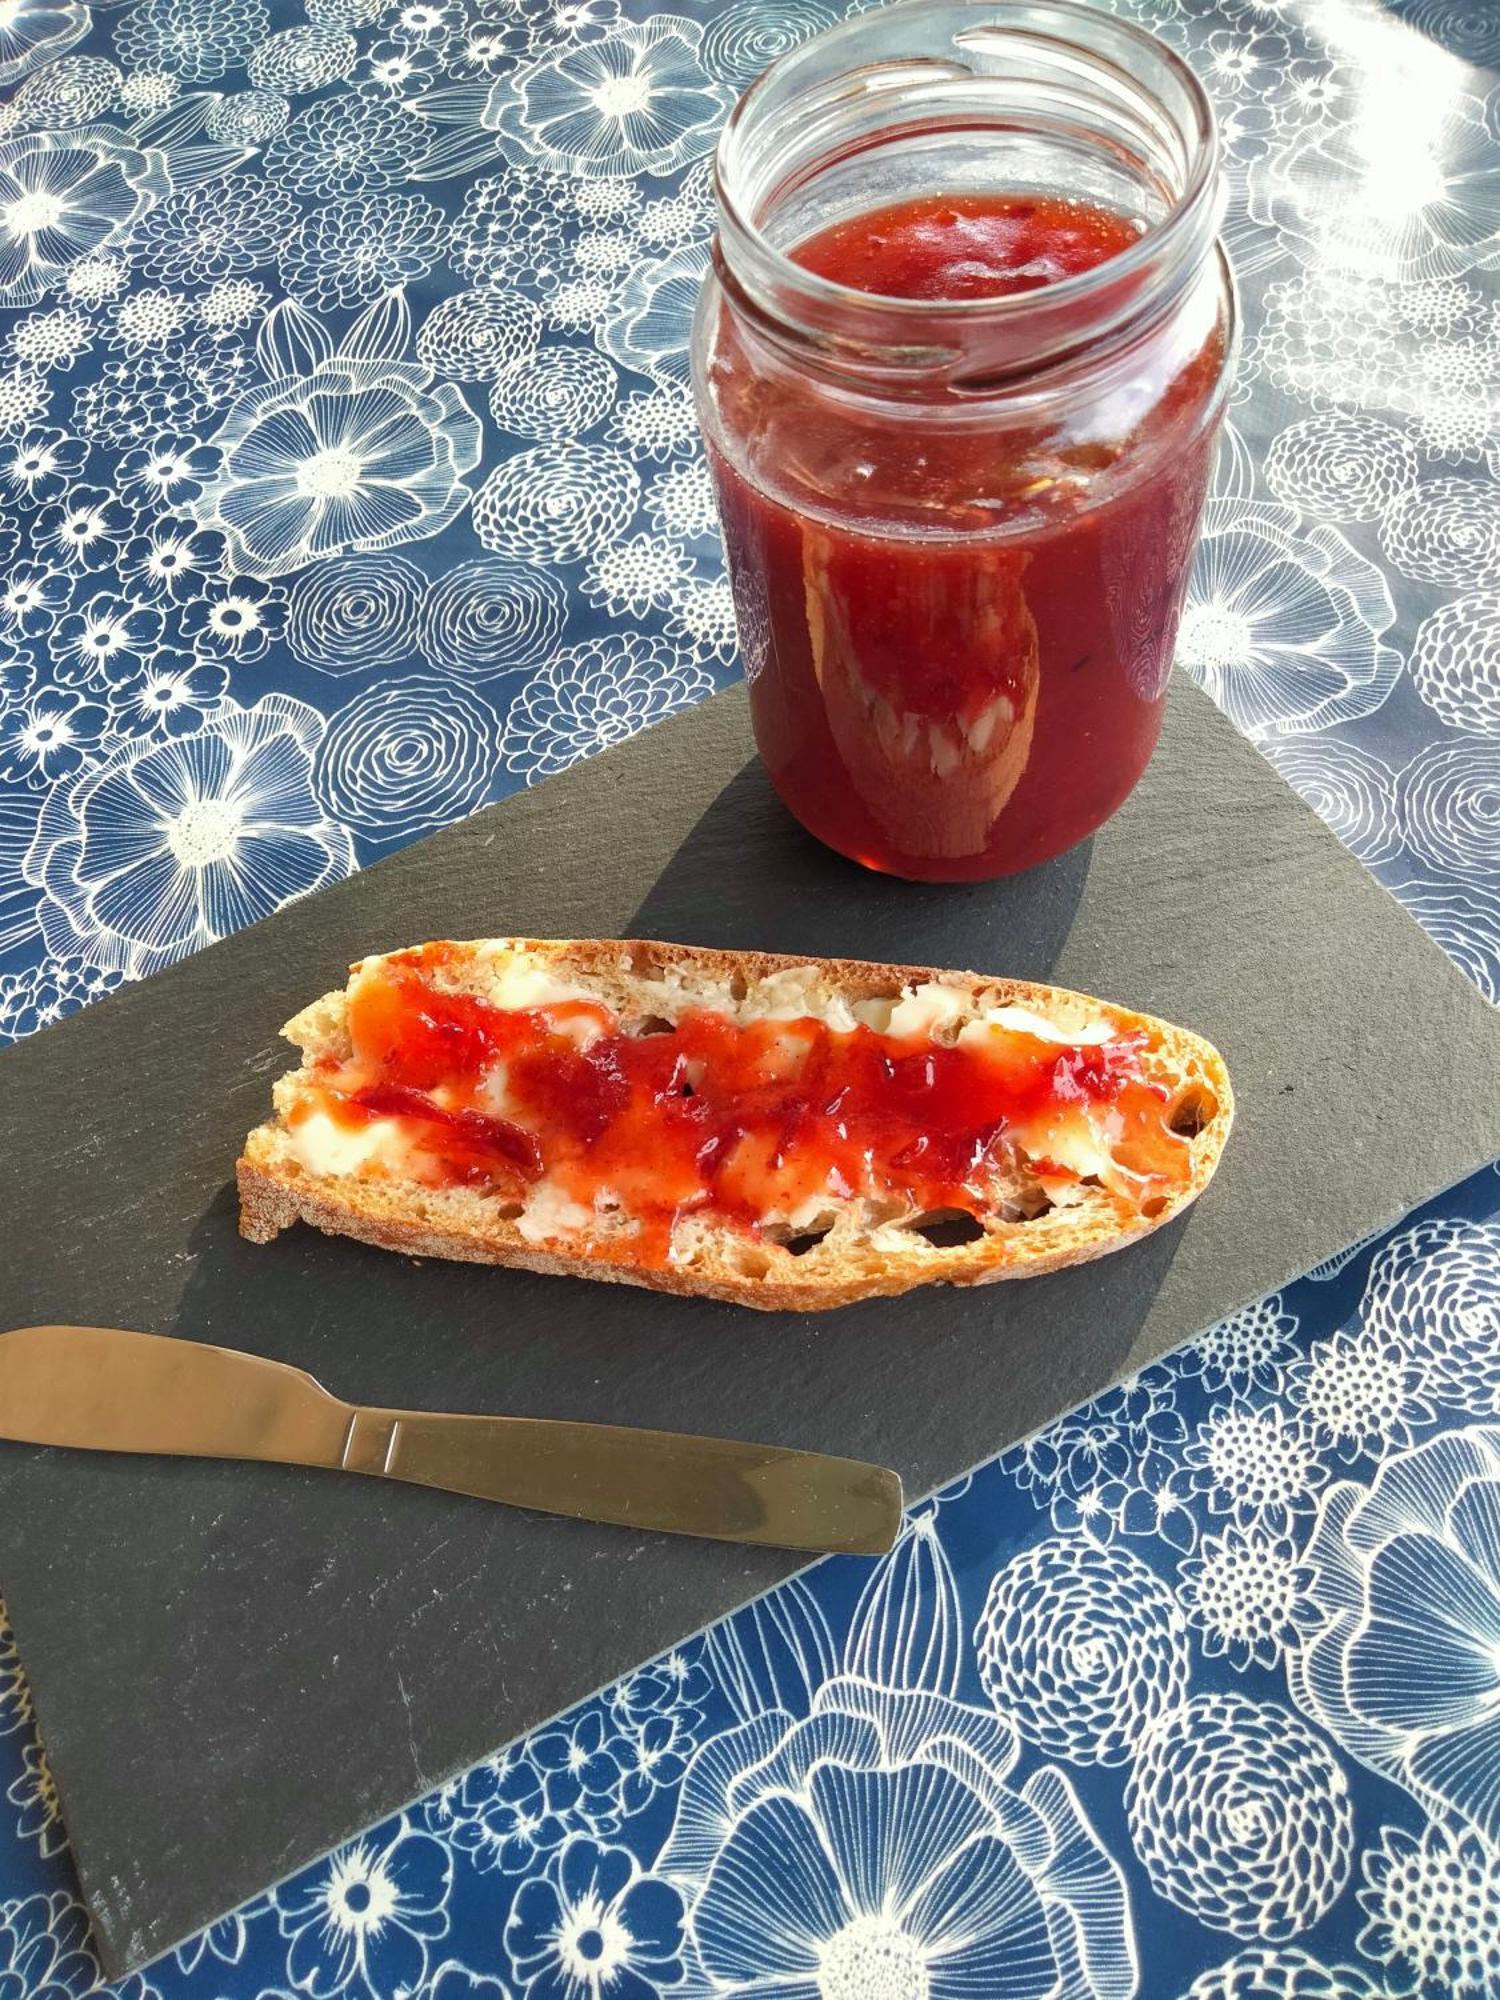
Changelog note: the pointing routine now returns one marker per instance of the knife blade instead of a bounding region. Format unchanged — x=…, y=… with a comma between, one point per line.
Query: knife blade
x=96, y=1388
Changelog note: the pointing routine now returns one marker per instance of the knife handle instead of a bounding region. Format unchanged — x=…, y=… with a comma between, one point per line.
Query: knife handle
x=716, y=1487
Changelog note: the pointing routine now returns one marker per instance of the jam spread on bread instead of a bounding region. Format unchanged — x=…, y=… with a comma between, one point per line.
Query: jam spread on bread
x=761, y=1122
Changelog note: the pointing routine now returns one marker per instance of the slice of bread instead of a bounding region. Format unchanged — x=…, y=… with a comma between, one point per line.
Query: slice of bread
x=1070, y=1182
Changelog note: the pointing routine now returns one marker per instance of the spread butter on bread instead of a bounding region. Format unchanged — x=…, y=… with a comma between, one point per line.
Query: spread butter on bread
x=784, y=1133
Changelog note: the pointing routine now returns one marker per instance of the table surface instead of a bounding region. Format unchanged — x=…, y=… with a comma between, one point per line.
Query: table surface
x=1193, y=1693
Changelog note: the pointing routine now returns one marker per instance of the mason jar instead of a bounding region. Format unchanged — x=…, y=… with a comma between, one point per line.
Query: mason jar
x=960, y=364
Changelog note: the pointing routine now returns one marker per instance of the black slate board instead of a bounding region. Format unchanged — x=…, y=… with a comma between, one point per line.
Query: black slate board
x=237, y=1666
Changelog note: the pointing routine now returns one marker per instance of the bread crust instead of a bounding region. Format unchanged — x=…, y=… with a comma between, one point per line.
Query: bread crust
x=458, y=1224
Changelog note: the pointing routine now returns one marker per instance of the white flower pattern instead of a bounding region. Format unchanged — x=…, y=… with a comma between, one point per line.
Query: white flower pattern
x=1433, y=1904
x=556, y=503
x=491, y=617
x=1403, y=1669
x=1240, y=1813
x=413, y=753
x=1255, y=1464
x=360, y=1924
x=592, y=696
x=1404, y=205
x=352, y=614
x=1434, y=1289
x=1455, y=662
x=1448, y=798
x=878, y=1846
x=638, y=101
x=1246, y=1592
x=1082, y=1648
x=354, y=456
x=1285, y=630
x=1465, y=921
x=34, y=31
x=64, y=195
x=1349, y=789
x=160, y=848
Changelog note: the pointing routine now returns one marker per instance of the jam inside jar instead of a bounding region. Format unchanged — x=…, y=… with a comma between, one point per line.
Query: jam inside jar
x=960, y=367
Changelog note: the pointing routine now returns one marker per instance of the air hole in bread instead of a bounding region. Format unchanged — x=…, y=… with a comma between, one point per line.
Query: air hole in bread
x=739, y=986
x=508, y=1210
x=749, y=1263
x=1196, y=1108
x=1154, y=1207
x=947, y=1228
x=651, y=1024
x=799, y=1241
x=807, y=1239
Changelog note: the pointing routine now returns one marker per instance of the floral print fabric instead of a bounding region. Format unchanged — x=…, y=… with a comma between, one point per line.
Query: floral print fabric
x=348, y=481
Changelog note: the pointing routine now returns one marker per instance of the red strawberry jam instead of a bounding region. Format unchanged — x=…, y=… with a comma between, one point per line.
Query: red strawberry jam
x=746, y=1121
x=958, y=619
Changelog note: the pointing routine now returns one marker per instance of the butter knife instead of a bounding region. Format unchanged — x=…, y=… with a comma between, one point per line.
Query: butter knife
x=97, y=1389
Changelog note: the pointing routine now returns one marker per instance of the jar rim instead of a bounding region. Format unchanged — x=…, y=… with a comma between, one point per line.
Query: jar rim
x=1184, y=211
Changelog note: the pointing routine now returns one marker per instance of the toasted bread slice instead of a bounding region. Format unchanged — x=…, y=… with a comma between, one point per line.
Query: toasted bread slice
x=1092, y=1125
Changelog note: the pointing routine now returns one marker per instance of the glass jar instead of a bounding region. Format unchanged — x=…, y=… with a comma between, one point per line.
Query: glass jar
x=959, y=529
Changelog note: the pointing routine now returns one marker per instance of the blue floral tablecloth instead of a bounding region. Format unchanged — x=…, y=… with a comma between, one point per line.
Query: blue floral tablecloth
x=348, y=480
